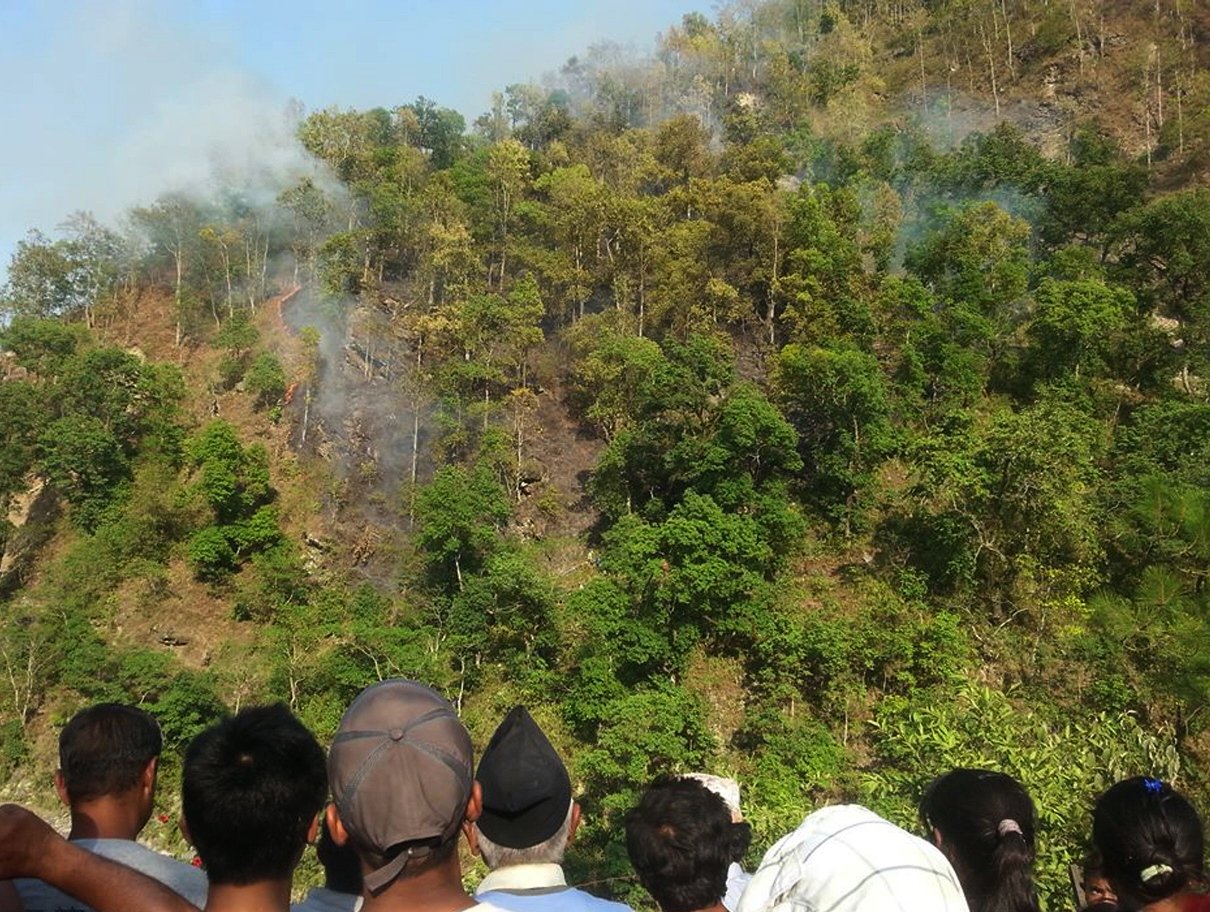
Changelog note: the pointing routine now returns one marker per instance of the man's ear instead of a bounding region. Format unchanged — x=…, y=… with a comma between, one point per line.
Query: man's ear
x=474, y=809
x=313, y=830
x=471, y=832
x=336, y=827
x=61, y=788
x=474, y=804
x=147, y=779
x=574, y=823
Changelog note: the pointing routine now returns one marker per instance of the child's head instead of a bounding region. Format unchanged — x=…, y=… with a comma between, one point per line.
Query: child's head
x=251, y=788
x=1150, y=839
x=1097, y=888
x=984, y=822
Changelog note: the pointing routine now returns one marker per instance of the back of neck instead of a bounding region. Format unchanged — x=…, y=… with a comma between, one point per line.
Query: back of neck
x=107, y=817
x=261, y=896
x=438, y=889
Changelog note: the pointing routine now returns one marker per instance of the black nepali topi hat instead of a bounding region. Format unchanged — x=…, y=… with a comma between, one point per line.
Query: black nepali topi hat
x=526, y=789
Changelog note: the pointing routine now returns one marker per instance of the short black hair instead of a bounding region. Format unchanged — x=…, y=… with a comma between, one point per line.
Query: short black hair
x=1150, y=839
x=250, y=788
x=681, y=841
x=104, y=749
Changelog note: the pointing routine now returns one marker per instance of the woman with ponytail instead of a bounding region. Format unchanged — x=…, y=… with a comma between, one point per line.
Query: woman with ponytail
x=984, y=823
x=1151, y=845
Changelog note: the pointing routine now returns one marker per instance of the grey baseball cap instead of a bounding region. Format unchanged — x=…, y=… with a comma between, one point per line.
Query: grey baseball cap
x=400, y=769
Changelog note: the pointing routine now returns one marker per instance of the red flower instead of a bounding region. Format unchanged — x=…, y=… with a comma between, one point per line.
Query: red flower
x=163, y=818
x=197, y=862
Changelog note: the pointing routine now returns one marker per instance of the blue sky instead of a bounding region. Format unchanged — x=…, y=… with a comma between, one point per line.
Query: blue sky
x=107, y=104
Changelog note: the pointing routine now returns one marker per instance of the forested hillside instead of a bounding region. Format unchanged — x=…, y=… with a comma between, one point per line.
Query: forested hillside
x=824, y=401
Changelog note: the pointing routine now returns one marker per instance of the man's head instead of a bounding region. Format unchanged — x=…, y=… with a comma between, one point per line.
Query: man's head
x=728, y=790
x=846, y=858
x=108, y=750
x=251, y=788
x=528, y=815
x=400, y=767
x=679, y=838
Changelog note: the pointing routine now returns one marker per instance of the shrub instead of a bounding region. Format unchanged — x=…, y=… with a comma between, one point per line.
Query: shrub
x=230, y=371
x=265, y=380
x=211, y=554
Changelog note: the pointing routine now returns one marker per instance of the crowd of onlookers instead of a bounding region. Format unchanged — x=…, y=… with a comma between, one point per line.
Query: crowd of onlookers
x=404, y=791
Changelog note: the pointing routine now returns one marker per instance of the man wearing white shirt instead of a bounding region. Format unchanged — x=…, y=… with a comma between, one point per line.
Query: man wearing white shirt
x=528, y=820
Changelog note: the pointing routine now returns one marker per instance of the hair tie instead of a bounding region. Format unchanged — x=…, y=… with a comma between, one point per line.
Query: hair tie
x=1008, y=825
x=1153, y=785
x=1151, y=873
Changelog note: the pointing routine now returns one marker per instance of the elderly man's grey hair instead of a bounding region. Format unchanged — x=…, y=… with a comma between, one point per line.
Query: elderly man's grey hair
x=549, y=851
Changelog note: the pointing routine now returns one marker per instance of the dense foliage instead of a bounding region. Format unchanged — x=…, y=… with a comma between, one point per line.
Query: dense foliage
x=901, y=445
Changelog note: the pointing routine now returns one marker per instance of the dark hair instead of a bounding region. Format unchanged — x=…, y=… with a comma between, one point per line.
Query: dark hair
x=342, y=868
x=250, y=788
x=104, y=750
x=741, y=839
x=680, y=840
x=1093, y=865
x=1150, y=839
x=986, y=823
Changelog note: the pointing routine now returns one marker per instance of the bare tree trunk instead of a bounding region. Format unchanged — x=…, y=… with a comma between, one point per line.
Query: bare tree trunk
x=642, y=298
x=1147, y=105
x=1159, y=89
x=415, y=440
x=1008, y=37
x=179, y=270
x=1075, y=18
x=920, y=54
x=991, y=63
x=306, y=415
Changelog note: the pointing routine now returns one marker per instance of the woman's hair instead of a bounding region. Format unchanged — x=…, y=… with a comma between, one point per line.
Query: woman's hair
x=1150, y=839
x=986, y=825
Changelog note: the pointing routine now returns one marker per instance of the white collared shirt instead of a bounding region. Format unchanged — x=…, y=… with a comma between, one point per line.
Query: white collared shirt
x=539, y=888
x=523, y=877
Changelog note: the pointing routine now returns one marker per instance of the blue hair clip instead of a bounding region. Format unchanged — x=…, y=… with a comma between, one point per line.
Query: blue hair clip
x=1153, y=785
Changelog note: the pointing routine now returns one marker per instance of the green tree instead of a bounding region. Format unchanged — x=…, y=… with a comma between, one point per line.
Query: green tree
x=265, y=380
x=1020, y=487
x=22, y=417
x=86, y=464
x=172, y=226
x=460, y=512
x=1076, y=323
x=41, y=345
x=836, y=401
x=65, y=277
x=978, y=265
